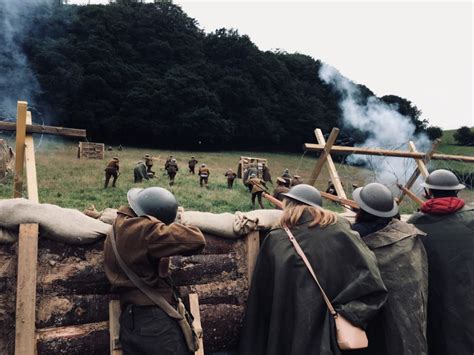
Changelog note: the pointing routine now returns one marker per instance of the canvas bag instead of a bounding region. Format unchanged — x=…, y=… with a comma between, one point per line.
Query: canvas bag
x=181, y=314
x=348, y=336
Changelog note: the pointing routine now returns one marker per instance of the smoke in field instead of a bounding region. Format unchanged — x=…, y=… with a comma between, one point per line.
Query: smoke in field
x=17, y=80
x=384, y=126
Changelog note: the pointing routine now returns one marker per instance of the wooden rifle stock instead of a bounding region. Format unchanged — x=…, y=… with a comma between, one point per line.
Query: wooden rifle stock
x=410, y=194
x=343, y=201
x=277, y=203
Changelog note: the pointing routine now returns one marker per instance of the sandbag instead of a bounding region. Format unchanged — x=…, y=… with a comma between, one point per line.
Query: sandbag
x=60, y=224
x=255, y=220
x=221, y=224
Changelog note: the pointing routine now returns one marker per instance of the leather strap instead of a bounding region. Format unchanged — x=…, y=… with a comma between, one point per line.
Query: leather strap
x=310, y=269
x=158, y=299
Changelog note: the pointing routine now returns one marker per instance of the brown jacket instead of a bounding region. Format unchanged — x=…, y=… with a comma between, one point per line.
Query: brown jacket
x=204, y=171
x=113, y=164
x=257, y=185
x=145, y=246
x=279, y=190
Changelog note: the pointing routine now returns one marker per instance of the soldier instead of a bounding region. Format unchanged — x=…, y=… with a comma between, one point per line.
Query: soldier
x=258, y=187
x=192, y=164
x=230, y=175
x=168, y=160
x=172, y=169
x=136, y=262
x=449, y=244
x=266, y=176
x=204, y=175
x=149, y=164
x=286, y=175
x=112, y=170
x=120, y=148
x=280, y=189
x=109, y=148
x=139, y=172
x=296, y=180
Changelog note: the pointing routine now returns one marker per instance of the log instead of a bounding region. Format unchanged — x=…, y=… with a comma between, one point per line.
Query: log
x=40, y=129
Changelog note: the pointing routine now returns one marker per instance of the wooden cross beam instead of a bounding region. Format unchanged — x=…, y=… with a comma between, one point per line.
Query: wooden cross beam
x=420, y=169
x=25, y=334
x=40, y=129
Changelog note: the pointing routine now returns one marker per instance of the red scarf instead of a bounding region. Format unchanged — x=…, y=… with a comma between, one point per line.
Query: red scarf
x=442, y=205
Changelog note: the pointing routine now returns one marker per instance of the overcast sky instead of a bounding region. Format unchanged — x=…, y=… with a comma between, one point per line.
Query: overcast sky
x=422, y=51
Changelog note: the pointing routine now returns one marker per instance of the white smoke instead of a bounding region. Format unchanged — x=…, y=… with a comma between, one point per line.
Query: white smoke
x=385, y=127
x=17, y=80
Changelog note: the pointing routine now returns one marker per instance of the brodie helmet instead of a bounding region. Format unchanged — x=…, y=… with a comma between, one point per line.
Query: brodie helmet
x=376, y=199
x=442, y=179
x=307, y=194
x=154, y=201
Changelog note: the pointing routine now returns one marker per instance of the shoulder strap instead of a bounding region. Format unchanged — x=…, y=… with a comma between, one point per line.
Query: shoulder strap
x=310, y=268
x=158, y=299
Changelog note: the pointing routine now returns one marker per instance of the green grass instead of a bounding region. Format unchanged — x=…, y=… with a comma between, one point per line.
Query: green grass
x=448, y=146
x=67, y=181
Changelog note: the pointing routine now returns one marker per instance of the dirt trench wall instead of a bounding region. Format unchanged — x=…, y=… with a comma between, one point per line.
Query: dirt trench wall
x=73, y=295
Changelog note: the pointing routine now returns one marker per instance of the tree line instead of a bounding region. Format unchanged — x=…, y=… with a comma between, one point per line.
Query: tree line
x=147, y=75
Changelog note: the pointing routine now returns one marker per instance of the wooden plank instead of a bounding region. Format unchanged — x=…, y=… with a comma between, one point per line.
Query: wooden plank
x=114, y=327
x=20, y=147
x=330, y=165
x=422, y=170
x=31, y=180
x=410, y=194
x=252, y=242
x=343, y=201
x=25, y=338
x=337, y=149
x=194, y=308
x=323, y=156
x=411, y=181
x=40, y=129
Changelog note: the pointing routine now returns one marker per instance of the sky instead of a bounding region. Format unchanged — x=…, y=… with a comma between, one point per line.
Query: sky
x=419, y=50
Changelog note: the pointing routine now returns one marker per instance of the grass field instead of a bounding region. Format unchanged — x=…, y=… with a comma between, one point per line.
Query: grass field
x=77, y=183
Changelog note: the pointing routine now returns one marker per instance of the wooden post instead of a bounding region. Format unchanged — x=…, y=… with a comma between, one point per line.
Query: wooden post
x=194, y=308
x=114, y=327
x=421, y=167
x=25, y=338
x=252, y=242
x=20, y=147
x=324, y=154
x=31, y=181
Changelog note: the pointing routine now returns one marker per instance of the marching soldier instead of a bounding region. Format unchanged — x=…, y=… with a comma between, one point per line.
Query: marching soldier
x=192, y=164
x=112, y=170
x=230, y=175
x=266, y=176
x=204, y=175
x=172, y=169
x=280, y=189
x=168, y=161
x=258, y=187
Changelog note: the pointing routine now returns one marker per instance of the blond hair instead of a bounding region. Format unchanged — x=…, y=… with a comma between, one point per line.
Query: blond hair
x=293, y=210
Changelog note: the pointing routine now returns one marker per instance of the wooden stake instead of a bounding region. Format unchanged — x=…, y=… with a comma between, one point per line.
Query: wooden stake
x=330, y=164
x=324, y=154
x=20, y=148
x=25, y=338
x=31, y=181
x=194, y=308
x=40, y=129
x=114, y=327
x=252, y=241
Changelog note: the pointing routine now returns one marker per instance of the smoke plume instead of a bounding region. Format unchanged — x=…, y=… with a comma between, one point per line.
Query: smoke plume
x=17, y=80
x=384, y=126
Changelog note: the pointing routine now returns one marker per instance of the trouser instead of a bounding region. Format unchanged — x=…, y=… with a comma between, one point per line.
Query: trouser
x=203, y=180
x=230, y=183
x=109, y=172
x=191, y=169
x=171, y=176
x=147, y=330
x=148, y=169
x=259, y=197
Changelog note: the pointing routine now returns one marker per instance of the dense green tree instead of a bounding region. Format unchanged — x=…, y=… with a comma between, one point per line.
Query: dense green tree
x=434, y=132
x=464, y=136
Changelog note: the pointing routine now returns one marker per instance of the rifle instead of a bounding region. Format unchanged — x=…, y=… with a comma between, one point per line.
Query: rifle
x=342, y=201
x=410, y=194
x=277, y=203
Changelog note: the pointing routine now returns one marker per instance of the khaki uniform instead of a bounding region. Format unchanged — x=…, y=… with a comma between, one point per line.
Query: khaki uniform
x=192, y=164
x=230, y=175
x=204, y=176
x=279, y=190
x=257, y=190
x=172, y=169
x=149, y=165
x=111, y=170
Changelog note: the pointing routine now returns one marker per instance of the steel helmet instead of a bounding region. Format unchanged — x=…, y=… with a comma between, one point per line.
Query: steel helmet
x=154, y=201
x=442, y=179
x=306, y=194
x=376, y=199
